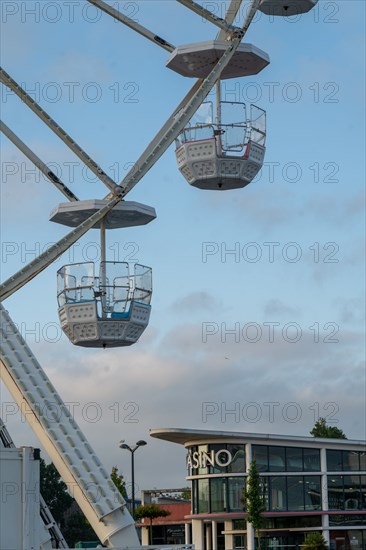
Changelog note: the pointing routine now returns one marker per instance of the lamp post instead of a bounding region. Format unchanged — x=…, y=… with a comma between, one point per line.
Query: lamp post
x=132, y=450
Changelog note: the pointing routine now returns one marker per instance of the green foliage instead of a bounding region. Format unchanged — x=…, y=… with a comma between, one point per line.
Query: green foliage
x=63, y=507
x=321, y=429
x=186, y=493
x=151, y=512
x=119, y=481
x=253, y=499
x=54, y=491
x=78, y=529
x=314, y=541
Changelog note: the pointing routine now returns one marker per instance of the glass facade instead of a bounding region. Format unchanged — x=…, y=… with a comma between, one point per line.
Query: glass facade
x=218, y=494
x=350, y=539
x=286, y=459
x=216, y=459
x=346, y=461
x=235, y=493
x=347, y=519
x=292, y=490
x=202, y=495
x=292, y=493
x=280, y=494
x=347, y=492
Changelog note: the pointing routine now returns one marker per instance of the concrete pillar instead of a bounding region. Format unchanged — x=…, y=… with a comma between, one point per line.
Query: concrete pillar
x=325, y=525
x=145, y=535
x=229, y=539
x=214, y=535
x=198, y=534
x=250, y=537
x=324, y=490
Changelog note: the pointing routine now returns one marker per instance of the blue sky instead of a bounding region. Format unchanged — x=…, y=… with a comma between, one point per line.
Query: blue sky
x=109, y=88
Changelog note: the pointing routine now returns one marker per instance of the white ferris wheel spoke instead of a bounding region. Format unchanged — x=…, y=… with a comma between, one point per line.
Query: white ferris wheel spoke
x=206, y=14
x=42, y=167
x=6, y=79
x=39, y=264
x=231, y=13
x=116, y=14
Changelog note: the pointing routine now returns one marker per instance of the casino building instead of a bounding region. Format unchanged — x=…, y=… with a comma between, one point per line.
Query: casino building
x=309, y=484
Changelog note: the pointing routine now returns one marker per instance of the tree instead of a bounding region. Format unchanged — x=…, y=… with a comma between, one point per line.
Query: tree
x=54, y=491
x=78, y=529
x=67, y=514
x=151, y=512
x=253, y=500
x=321, y=429
x=186, y=494
x=314, y=541
x=119, y=481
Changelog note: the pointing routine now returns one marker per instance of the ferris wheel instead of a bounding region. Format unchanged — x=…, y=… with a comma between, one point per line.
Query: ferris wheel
x=220, y=145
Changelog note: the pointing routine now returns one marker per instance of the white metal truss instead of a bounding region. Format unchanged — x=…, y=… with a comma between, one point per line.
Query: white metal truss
x=63, y=440
x=37, y=162
x=206, y=14
x=116, y=14
x=40, y=263
x=10, y=83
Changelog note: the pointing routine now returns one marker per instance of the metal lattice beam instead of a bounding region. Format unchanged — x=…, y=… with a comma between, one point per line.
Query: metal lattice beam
x=40, y=263
x=208, y=15
x=42, y=167
x=10, y=83
x=116, y=14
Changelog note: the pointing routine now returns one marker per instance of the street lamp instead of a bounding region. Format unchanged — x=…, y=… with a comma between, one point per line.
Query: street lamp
x=132, y=450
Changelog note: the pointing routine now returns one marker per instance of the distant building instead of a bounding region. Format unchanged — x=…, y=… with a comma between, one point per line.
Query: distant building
x=308, y=484
x=173, y=529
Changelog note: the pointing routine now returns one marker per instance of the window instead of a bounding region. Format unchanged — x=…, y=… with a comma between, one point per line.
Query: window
x=334, y=460
x=235, y=488
x=218, y=494
x=346, y=461
x=351, y=460
x=203, y=468
x=238, y=462
x=335, y=493
x=260, y=455
x=363, y=462
x=240, y=542
x=311, y=460
x=202, y=496
x=313, y=494
x=239, y=524
x=363, y=492
x=344, y=519
x=265, y=490
x=281, y=459
x=194, y=497
x=213, y=450
x=278, y=493
x=352, y=492
x=295, y=493
x=276, y=459
x=294, y=459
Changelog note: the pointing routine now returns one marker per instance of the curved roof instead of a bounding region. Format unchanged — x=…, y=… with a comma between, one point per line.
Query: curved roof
x=184, y=436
